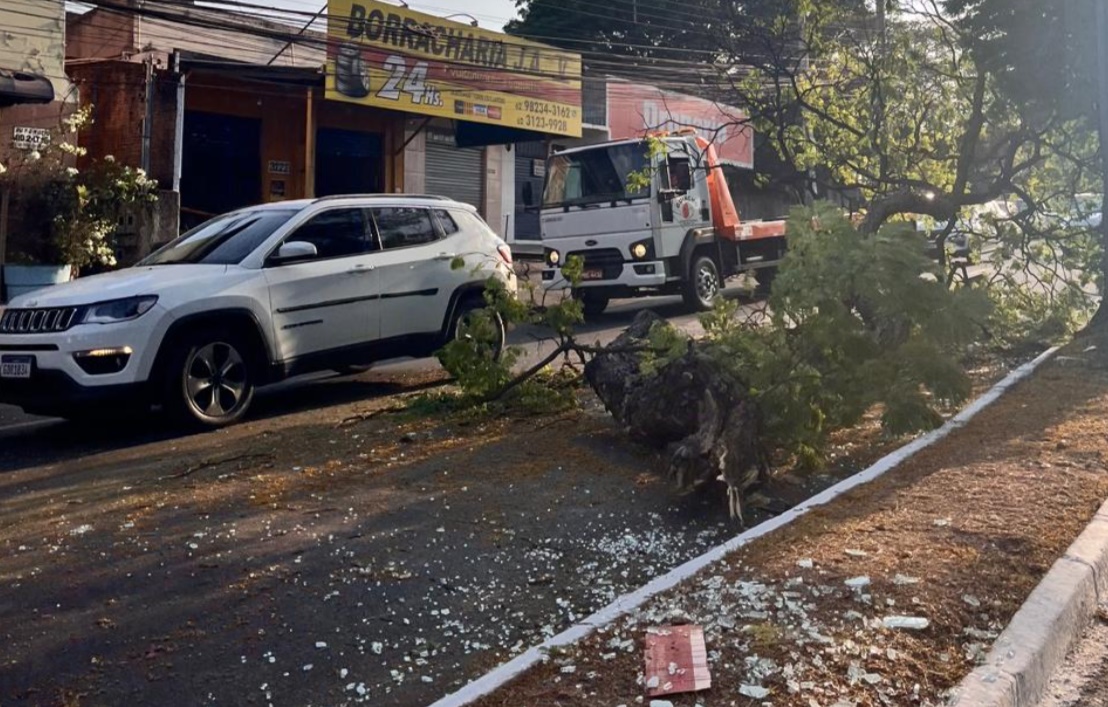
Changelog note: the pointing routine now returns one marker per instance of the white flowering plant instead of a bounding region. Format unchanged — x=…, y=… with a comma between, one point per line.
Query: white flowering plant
x=63, y=215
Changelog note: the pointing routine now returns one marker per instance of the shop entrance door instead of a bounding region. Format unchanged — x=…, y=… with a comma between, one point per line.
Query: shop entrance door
x=348, y=162
x=221, y=166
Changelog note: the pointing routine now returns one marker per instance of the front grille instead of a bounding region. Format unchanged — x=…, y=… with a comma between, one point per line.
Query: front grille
x=608, y=260
x=37, y=321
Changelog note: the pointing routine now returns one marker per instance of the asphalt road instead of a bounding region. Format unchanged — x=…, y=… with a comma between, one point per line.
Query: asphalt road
x=603, y=329
x=296, y=560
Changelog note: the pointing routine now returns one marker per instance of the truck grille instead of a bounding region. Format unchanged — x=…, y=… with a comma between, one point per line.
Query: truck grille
x=37, y=321
x=608, y=260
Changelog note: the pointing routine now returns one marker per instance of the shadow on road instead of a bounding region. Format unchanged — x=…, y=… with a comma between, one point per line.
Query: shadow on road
x=59, y=440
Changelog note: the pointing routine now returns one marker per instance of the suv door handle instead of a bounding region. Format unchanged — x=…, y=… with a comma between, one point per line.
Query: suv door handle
x=360, y=269
x=446, y=256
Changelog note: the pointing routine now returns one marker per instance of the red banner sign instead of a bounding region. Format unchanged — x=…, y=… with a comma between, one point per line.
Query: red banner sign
x=635, y=109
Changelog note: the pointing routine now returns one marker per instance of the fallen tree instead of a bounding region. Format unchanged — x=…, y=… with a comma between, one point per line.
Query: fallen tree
x=704, y=419
x=855, y=322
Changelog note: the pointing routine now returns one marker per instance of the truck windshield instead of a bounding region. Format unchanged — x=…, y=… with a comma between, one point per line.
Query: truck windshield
x=595, y=175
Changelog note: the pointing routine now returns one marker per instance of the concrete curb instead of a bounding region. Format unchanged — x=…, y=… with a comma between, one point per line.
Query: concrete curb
x=629, y=602
x=1018, y=668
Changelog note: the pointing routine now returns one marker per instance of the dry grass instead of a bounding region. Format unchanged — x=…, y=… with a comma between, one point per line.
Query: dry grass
x=978, y=518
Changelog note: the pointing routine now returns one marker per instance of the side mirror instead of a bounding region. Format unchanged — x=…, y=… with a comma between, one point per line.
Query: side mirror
x=295, y=250
x=528, y=194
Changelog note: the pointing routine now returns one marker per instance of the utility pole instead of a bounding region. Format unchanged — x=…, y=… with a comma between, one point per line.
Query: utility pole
x=1102, y=121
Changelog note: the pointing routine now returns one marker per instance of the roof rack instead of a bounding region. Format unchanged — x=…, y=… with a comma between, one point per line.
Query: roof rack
x=335, y=197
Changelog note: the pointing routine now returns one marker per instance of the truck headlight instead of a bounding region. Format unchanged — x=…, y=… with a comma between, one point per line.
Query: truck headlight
x=119, y=310
x=642, y=250
x=552, y=257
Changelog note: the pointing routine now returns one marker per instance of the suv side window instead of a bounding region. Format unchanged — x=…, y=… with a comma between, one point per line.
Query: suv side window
x=446, y=222
x=338, y=233
x=402, y=226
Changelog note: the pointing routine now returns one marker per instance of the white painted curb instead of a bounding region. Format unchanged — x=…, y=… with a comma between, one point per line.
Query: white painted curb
x=1041, y=634
x=629, y=602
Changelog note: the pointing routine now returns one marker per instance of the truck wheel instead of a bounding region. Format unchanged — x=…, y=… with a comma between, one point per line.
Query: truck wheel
x=593, y=303
x=764, y=277
x=211, y=380
x=493, y=341
x=703, y=285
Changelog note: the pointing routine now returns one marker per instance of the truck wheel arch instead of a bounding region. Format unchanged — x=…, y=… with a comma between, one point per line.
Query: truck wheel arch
x=697, y=239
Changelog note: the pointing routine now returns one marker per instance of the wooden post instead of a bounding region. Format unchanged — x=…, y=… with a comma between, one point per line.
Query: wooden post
x=309, y=146
x=5, y=201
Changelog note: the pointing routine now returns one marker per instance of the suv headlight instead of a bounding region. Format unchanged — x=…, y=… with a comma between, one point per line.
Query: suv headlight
x=118, y=310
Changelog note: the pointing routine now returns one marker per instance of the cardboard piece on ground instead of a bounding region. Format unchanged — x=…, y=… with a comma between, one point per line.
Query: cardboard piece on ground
x=676, y=660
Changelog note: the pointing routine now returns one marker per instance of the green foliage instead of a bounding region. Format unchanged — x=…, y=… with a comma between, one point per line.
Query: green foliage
x=665, y=344
x=484, y=378
x=68, y=216
x=854, y=321
x=640, y=181
x=1043, y=53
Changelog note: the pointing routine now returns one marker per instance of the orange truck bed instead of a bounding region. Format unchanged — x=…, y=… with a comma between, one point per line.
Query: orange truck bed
x=725, y=217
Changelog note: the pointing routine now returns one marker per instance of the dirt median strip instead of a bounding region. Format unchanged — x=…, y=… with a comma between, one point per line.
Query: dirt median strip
x=955, y=537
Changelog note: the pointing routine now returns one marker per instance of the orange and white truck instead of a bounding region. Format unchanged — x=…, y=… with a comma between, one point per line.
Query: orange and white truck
x=649, y=217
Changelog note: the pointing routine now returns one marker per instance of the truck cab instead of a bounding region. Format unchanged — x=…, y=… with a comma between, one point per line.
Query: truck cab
x=646, y=217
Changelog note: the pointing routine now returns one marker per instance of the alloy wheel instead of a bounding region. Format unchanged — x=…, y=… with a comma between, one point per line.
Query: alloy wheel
x=707, y=282
x=216, y=382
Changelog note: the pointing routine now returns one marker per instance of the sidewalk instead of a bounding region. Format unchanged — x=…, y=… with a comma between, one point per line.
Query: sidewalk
x=1083, y=680
x=954, y=539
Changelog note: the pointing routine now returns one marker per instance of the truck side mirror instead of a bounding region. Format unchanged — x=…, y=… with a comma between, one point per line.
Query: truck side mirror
x=528, y=194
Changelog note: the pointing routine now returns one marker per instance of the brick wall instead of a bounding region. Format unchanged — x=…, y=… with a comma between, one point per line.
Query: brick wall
x=116, y=90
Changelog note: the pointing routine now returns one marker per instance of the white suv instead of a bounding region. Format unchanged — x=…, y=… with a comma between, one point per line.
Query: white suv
x=250, y=298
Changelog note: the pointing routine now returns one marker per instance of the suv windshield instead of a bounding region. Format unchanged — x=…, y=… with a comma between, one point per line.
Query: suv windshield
x=596, y=175
x=225, y=240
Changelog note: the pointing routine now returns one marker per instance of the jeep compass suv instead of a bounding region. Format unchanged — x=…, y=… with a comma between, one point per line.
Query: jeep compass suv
x=250, y=298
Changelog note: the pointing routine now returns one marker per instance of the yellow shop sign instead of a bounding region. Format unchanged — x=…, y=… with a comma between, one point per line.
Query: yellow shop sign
x=393, y=57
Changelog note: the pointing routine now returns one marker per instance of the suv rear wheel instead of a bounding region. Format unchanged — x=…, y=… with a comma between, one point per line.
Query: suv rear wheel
x=211, y=381
x=467, y=324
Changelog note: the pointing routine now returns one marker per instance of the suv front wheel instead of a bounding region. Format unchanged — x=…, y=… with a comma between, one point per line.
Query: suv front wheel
x=211, y=380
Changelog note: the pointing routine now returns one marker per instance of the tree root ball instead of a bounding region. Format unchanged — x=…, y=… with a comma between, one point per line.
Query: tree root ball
x=691, y=409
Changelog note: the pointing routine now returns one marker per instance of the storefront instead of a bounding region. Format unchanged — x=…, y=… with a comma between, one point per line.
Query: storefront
x=469, y=94
x=456, y=172
x=245, y=142
x=400, y=102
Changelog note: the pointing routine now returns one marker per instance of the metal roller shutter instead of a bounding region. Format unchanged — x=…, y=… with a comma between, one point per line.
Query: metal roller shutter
x=458, y=173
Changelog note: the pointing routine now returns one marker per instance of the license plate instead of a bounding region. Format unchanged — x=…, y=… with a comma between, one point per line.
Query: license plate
x=16, y=366
x=592, y=275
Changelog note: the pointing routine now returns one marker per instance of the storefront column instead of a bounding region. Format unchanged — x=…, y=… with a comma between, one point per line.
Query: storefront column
x=415, y=157
x=507, y=229
x=493, y=212
x=309, y=146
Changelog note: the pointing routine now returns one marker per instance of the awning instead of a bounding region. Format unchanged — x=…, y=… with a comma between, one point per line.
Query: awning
x=18, y=87
x=469, y=134
x=288, y=75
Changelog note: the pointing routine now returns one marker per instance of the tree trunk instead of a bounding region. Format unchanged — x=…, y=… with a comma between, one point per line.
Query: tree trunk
x=692, y=410
x=1099, y=322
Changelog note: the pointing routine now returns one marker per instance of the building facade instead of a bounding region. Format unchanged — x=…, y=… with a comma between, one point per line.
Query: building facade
x=228, y=110
x=35, y=93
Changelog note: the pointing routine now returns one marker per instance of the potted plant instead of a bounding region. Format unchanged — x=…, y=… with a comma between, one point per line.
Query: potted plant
x=55, y=219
